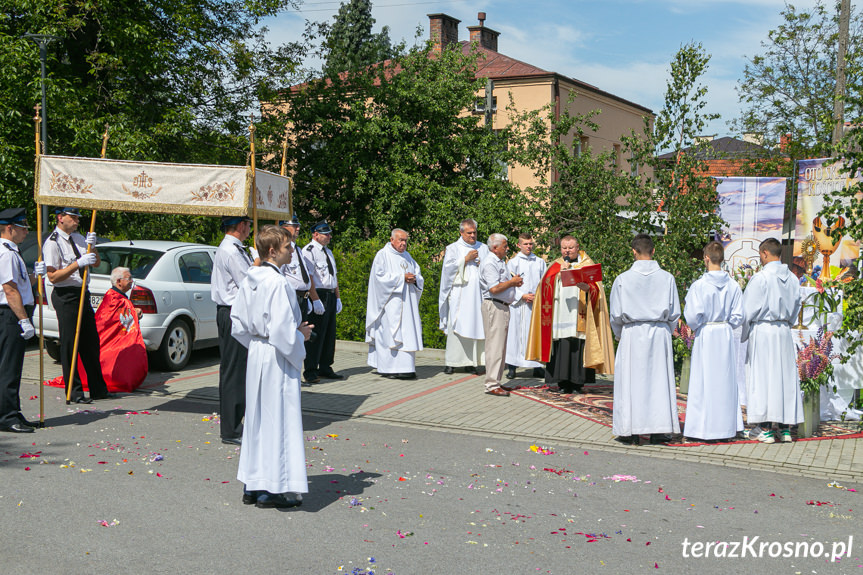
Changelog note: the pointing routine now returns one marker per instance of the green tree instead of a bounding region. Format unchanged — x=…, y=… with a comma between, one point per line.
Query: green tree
x=684, y=194
x=848, y=204
x=589, y=198
x=350, y=43
x=390, y=146
x=174, y=79
x=789, y=87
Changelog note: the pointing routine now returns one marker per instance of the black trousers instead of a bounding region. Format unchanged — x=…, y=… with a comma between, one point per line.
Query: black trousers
x=12, y=347
x=321, y=352
x=232, y=377
x=65, y=301
x=565, y=368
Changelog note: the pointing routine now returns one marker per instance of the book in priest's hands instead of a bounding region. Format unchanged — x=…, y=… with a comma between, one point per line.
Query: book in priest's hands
x=585, y=274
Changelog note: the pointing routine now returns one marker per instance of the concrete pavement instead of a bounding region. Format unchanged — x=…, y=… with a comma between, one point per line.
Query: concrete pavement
x=456, y=403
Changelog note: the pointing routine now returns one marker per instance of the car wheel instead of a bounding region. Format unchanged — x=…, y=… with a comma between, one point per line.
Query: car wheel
x=53, y=348
x=176, y=348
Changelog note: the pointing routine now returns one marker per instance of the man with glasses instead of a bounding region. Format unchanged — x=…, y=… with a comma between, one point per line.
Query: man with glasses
x=321, y=265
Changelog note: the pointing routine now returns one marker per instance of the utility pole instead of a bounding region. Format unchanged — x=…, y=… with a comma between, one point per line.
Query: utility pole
x=839, y=97
x=42, y=40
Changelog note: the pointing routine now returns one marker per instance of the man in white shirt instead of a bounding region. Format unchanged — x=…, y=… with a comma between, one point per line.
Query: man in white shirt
x=393, y=328
x=66, y=256
x=497, y=288
x=298, y=274
x=230, y=266
x=321, y=264
x=460, y=301
x=16, y=308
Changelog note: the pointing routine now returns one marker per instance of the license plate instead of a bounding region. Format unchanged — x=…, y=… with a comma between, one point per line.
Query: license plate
x=95, y=300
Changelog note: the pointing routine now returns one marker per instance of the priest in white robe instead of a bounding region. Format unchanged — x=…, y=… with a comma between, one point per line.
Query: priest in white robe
x=460, y=302
x=393, y=329
x=714, y=309
x=644, y=311
x=531, y=269
x=267, y=321
x=771, y=303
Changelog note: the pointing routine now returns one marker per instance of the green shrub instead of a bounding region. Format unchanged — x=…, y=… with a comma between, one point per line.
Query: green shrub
x=354, y=264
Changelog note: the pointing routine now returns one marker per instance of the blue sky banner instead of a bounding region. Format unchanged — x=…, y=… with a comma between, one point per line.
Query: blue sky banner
x=754, y=209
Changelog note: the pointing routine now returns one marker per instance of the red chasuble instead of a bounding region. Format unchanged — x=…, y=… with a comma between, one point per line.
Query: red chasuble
x=123, y=353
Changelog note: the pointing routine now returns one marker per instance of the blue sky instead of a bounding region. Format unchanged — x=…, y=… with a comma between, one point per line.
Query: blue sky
x=621, y=46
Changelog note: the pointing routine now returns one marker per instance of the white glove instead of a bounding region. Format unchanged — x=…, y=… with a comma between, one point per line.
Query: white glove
x=309, y=306
x=91, y=238
x=318, y=306
x=86, y=260
x=338, y=305
x=27, y=329
x=40, y=268
x=254, y=253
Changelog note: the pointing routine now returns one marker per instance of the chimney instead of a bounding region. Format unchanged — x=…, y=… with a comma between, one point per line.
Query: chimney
x=485, y=37
x=784, y=142
x=443, y=31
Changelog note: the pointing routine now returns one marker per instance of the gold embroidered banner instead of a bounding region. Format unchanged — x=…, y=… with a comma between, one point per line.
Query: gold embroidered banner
x=156, y=187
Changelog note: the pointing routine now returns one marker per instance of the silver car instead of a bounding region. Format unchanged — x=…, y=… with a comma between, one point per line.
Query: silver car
x=172, y=288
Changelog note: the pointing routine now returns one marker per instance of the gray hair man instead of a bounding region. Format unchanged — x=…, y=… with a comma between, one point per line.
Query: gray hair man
x=497, y=287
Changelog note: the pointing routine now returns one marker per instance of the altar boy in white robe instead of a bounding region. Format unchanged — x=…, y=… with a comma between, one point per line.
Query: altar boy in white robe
x=267, y=320
x=714, y=309
x=531, y=269
x=644, y=311
x=460, y=302
x=771, y=303
x=393, y=329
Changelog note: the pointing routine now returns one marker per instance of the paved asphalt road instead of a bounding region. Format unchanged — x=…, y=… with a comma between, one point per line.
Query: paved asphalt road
x=141, y=484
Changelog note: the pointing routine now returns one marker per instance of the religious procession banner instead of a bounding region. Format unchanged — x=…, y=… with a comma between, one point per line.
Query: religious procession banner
x=156, y=187
x=821, y=247
x=754, y=209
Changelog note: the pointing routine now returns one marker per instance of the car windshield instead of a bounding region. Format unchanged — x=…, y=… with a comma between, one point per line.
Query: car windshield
x=139, y=261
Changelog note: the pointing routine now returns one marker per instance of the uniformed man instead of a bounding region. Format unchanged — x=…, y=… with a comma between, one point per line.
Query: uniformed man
x=65, y=254
x=16, y=308
x=231, y=264
x=298, y=274
x=321, y=264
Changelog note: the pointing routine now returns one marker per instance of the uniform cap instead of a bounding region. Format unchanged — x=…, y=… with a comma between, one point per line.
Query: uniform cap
x=294, y=221
x=322, y=227
x=68, y=211
x=14, y=216
x=228, y=221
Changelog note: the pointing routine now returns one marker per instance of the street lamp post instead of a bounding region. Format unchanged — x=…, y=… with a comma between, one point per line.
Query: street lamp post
x=42, y=40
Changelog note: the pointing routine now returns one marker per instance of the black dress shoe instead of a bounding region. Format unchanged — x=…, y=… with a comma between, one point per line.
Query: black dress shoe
x=251, y=497
x=470, y=369
x=106, y=396
x=389, y=375
x=17, y=428
x=626, y=439
x=538, y=372
x=232, y=440
x=448, y=370
x=406, y=376
x=33, y=424
x=82, y=399
x=659, y=438
x=510, y=373
x=276, y=500
x=480, y=370
x=332, y=375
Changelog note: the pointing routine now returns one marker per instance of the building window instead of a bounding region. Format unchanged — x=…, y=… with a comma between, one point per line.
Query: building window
x=479, y=105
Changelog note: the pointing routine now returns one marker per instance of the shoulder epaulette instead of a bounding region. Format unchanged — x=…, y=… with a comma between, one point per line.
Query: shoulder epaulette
x=53, y=236
x=308, y=248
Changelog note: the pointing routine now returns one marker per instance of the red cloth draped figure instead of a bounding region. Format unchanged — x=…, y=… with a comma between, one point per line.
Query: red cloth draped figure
x=123, y=353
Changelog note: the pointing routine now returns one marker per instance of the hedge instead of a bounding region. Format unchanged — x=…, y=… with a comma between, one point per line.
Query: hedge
x=354, y=265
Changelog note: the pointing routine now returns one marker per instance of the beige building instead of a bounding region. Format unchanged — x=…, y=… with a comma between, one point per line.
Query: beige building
x=532, y=88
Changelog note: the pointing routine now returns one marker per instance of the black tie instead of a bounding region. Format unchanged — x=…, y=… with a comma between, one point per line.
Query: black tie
x=74, y=248
x=329, y=263
x=246, y=255
x=303, y=267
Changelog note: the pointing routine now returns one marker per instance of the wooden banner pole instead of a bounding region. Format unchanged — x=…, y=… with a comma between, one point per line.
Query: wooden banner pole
x=84, y=277
x=40, y=279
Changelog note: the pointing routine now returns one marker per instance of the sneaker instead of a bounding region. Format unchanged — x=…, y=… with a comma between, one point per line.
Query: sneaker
x=786, y=436
x=766, y=437
x=755, y=432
